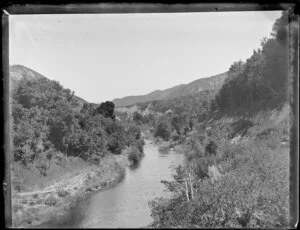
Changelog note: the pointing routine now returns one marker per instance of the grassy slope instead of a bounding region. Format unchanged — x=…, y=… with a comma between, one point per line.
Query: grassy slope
x=49, y=197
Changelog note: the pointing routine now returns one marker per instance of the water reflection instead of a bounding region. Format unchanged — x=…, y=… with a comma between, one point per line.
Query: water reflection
x=163, y=151
x=135, y=166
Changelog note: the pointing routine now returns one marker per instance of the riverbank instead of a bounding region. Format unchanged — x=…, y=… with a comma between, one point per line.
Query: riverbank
x=33, y=208
x=126, y=204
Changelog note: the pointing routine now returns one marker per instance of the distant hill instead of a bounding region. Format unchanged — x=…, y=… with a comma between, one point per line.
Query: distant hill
x=210, y=83
x=18, y=72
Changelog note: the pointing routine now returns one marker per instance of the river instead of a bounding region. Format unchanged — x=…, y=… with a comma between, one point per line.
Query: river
x=126, y=204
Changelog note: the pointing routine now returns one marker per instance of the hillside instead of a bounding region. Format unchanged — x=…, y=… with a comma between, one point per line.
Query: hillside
x=20, y=72
x=210, y=83
x=17, y=72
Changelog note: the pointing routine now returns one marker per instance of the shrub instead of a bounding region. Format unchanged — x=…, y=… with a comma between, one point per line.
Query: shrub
x=163, y=130
x=135, y=155
x=62, y=193
x=175, y=136
x=198, y=149
x=134, y=131
x=51, y=201
x=211, y=149
x=115, y=144
x=133, y=134
x=137, y=118
x=140, y=145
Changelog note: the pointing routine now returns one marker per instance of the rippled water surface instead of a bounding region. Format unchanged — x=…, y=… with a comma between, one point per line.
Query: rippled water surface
x=126, y=205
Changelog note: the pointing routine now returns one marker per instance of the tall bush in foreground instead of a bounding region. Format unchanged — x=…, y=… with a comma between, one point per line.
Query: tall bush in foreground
x=135, y=155
x=163, y=129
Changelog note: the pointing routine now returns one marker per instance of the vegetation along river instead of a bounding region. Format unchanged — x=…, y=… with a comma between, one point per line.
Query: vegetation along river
x=126, y=205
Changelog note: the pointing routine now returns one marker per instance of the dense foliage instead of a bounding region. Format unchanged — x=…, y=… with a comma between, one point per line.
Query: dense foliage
x=245, y=185
x=262, y=81
x=174, y=118
x=49, y=122
x=106, y=109
x=163, y=129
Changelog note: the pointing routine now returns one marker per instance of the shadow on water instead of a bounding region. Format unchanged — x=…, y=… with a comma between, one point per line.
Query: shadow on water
x=163, y=152
x=135, y=166
x=69, y=220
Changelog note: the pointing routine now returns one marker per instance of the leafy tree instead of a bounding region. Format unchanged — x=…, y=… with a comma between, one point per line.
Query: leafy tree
x=179, y=123
x=163, y=129
x=116, y=143
x=135, y=155
x=86, y=109
x=134, y=133
x=137, y=118
x=106, y=109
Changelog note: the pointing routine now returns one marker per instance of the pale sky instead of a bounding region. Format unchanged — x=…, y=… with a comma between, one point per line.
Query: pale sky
x=107, y=56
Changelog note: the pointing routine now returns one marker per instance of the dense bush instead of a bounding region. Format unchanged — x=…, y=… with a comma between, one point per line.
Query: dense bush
x=49, y=122
x=133, y=133
x=136, y=151
x=115, y=144
x=211, y=149
x=106, y=109
x=51, y=200
x=262, y=81
x=252, y=193
x=62, y=193
x=186, y=111
x=135, y=155
x=163, y=129
x=138, y=118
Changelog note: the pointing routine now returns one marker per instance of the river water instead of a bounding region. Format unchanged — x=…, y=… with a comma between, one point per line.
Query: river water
x=126, y=205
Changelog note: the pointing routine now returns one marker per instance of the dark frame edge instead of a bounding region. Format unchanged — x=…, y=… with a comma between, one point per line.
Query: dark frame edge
x=152, y=8
x=105, y=8
x=294, y=116
x=6, y=119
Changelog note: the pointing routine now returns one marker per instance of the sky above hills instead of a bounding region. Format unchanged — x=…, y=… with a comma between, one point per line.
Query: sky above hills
x=107, y=56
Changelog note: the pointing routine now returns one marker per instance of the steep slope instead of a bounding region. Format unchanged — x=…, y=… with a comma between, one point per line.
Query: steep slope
x=210, y=83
